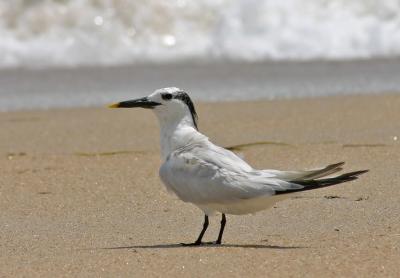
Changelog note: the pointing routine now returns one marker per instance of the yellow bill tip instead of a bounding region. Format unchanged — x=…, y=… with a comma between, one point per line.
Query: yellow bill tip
x=114, y=105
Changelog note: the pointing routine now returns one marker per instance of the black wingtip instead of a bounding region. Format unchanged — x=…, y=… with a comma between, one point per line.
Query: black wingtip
x=337, y=164
x=320, y=183
x=361, y=172
x=354, y=174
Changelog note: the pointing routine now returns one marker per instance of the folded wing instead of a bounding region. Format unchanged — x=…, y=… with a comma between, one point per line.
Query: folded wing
x=209, y=176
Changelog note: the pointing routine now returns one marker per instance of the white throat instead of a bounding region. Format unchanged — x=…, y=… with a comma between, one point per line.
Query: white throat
x=177, y=130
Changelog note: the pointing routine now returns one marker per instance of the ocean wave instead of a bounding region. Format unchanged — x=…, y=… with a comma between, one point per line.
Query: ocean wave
x=42, y=33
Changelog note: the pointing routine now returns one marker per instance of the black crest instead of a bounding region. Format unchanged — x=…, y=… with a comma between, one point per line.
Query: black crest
x=183, y=96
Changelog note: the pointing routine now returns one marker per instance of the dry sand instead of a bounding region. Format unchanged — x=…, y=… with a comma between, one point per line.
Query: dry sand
x=80, y=193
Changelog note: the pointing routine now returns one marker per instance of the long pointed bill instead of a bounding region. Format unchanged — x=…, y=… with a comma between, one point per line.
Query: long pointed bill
x=140, y=102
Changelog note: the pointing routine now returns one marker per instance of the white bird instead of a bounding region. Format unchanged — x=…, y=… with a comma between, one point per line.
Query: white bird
x=213, y=178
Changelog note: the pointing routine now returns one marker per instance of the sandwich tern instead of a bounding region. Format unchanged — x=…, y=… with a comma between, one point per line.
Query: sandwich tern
x=213, y=178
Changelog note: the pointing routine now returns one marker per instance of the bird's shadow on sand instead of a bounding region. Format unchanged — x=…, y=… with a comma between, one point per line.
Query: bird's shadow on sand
x=178, y=245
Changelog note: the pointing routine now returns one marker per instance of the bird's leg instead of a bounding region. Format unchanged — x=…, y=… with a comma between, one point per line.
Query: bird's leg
x=221, y=230
x=198, y=241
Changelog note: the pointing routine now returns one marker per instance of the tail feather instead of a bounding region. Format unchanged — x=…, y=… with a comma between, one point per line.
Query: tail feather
x=310, y=174
x=309, y=184
x=328, y=170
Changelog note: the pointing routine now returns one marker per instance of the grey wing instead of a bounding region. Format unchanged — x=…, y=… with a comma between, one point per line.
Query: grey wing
x=221, y=158
x=230, y=161
x=208, y=176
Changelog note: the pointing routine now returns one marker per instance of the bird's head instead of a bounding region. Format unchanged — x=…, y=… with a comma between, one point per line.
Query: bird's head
x=169, y=104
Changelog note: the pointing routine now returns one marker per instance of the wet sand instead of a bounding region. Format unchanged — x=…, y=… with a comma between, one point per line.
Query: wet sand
x=80, y=193
x=221, y=81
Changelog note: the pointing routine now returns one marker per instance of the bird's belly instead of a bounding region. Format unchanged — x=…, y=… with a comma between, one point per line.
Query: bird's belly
x=247, y=206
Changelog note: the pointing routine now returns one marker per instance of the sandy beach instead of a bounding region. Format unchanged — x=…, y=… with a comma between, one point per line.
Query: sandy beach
x=288, y=85
x=80, y=193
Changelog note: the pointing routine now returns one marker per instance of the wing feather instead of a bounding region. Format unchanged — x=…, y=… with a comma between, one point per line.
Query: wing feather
x=307, y=174
x=204, y=175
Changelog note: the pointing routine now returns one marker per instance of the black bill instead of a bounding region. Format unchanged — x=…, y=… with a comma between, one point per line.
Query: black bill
x=140, y=102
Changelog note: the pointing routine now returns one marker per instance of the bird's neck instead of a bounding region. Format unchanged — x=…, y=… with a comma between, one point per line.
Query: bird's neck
x=178, y=133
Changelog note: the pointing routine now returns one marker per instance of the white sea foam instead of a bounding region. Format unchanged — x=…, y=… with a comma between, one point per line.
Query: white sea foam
x=41, y=33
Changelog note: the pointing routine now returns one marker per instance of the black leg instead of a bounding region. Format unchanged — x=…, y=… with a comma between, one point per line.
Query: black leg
x=198, y=241
x=221, y=230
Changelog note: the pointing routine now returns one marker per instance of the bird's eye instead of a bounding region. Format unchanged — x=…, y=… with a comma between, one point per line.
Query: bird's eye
x=166, y=96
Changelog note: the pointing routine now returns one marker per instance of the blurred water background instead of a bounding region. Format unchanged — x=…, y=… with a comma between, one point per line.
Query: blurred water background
x=86, y=52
